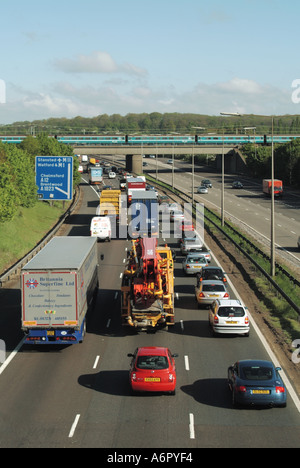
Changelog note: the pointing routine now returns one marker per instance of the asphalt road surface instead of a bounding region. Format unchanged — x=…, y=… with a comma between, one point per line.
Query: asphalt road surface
x=79, y=396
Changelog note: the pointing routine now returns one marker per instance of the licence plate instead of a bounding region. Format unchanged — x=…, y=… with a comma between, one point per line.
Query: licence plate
x=152, y=379
x=260, y=392
x=231, y=323
x=50, y=333
x=213, y=295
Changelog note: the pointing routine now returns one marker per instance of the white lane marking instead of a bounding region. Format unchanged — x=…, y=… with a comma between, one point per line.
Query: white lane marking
x=186, y=363
x=191, y=426
x=96, y=362
x=73, y=428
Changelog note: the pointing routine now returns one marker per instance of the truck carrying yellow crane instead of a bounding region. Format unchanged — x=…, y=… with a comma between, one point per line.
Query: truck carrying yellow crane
x=147, y=291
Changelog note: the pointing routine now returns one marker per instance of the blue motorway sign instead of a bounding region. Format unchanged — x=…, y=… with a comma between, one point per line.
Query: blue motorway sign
x=54, y=177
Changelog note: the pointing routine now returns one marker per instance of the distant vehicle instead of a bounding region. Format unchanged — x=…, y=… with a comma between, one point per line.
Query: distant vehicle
x=278, y=187
x=229, y=317
x=176, y=215
x=163, y=199
x=111, y=175
x=206, y=183
x=194, y=244
x=256, y=382
x=101, y=228
x=208, y=291
x=95, y=175
x=193, y=263
x=170, y=161
x=80, y=169
x=153, y=369
x=237, y=185
x=202, y=189
x=212, y=273
x=84, y=158
x=187, y=226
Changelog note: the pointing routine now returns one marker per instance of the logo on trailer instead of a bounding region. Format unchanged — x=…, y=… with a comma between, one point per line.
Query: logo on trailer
x=32, y=283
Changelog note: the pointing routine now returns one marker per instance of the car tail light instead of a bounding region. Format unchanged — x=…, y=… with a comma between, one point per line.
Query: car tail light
x=216, y=319
x=280, y=390
x=171, y=377
x=246, y=320
x=188, y=266
x=241, y=389
x=133, y=377
x=201, y=294
x=226, y=295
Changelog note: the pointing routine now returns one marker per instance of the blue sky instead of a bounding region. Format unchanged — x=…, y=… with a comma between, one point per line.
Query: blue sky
x=67, y=58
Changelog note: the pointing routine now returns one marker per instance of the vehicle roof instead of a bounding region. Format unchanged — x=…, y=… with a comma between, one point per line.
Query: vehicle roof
x=152, y=351
x=228, y=302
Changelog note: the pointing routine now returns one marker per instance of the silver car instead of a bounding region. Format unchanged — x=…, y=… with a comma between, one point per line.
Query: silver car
x=202, y=189
x=194, y=244
x=193, y=263
x=208, y=291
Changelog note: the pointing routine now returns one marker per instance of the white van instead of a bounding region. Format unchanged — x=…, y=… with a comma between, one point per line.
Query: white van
x=101, y=228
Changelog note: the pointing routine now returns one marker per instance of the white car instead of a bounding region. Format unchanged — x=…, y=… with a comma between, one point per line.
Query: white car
x=229, y=316
x=111, y=175
x=207, y=291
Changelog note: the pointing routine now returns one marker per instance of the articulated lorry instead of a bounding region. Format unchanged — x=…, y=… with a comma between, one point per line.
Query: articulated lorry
x=58, y=286
x=144, y=214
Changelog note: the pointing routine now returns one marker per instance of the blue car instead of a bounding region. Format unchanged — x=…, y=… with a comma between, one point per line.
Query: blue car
x=255, y=382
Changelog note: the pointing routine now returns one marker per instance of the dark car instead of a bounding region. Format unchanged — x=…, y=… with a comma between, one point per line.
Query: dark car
x=254, y=382
x=206, y=183
x=237, y=185
x=211, y=273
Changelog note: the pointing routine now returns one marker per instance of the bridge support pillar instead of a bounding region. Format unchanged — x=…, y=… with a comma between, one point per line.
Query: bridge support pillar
x=134, y=163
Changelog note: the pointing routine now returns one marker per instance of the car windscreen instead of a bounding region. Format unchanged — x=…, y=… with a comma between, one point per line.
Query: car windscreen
x=231, y=312
x=213, y=287
x=152, y=362
x=259, y=373
x=212, y=274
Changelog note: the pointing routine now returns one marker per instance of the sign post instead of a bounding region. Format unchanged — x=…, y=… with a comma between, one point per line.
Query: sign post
x=54, y=177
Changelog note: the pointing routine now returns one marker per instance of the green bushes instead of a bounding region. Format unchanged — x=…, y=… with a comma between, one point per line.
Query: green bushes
x=17, y=172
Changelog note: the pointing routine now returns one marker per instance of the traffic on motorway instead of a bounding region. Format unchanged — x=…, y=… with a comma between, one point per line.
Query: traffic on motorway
x=157, y=367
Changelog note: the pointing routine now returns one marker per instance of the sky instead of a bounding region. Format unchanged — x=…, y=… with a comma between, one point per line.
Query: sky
x=86, y=58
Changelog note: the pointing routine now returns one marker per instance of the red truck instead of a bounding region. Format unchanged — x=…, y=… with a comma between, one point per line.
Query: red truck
x=278, y=187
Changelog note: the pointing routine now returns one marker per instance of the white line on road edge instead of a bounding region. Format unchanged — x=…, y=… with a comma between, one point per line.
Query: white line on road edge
x=272, y=356
x=73, y=428
x=11, y=356
x=191, y=426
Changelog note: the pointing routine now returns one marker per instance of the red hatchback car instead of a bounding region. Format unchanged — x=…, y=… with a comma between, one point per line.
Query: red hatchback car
x=153, y=370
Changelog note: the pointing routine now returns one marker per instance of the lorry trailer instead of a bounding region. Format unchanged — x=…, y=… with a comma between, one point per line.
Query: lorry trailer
x=58, y=286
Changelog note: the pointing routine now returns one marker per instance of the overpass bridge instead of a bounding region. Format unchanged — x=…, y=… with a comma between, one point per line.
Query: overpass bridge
x=133, y=155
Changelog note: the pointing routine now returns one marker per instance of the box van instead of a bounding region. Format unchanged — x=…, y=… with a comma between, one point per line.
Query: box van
x=101, y=228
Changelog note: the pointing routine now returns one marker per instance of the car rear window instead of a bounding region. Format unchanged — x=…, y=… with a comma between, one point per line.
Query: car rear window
x=152, y=362
x=213, y=287
x=231, y=312
x=257, y=373
x=196, y=260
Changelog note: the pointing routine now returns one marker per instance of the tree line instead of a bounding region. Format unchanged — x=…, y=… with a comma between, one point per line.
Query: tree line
x=286, y=161
x=17, y=172
x=156, y=122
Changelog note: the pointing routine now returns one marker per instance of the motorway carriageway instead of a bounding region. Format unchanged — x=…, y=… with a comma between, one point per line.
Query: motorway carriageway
x=79, y=396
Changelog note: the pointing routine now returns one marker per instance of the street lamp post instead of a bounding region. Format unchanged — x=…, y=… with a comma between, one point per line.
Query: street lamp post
x=272, y=207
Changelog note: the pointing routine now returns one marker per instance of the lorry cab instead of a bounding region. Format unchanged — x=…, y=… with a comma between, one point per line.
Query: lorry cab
x=101, y=228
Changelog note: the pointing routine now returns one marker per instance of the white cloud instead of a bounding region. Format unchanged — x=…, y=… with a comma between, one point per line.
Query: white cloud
x=97, y=62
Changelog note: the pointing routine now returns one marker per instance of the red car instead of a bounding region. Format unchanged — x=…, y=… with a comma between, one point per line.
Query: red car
x=153, y=370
